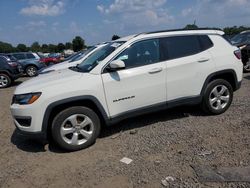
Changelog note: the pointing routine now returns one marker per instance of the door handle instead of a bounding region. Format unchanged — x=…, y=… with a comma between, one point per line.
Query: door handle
x=201, y=60
x=155, y=70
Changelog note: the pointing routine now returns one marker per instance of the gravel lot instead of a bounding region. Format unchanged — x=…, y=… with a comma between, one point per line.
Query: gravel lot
x=167, y=143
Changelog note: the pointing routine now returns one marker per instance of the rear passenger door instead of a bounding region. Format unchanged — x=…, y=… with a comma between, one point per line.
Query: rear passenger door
x=189, y=63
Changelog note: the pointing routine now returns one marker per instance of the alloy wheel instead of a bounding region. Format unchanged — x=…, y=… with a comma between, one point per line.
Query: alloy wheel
x=3, y=81
x=31, y=71
x=219, y=97
x=77, y=129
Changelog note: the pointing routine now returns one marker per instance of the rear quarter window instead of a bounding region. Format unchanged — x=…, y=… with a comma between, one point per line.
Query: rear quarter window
x=206, y=42
x=30, y=56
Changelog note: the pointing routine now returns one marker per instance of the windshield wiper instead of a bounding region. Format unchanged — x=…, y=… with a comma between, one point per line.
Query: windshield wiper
x=76, y=68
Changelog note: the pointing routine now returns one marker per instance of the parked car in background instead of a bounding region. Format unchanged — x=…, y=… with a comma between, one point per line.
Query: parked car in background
x=72, y=62
x=51, y=59
x=24, y=55
x=30, y=66
x=242, y=41
x=9, y=71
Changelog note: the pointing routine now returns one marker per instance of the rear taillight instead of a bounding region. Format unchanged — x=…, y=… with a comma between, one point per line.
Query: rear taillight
x=13, y=64
x=237, y=53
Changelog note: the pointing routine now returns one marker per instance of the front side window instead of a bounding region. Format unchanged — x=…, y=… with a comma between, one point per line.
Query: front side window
x=141, y=53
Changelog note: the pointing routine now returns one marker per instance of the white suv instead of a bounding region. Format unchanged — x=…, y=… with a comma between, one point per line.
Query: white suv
x=133, y=75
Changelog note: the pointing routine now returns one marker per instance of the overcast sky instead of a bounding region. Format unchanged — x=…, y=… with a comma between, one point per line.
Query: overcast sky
x=54, y=21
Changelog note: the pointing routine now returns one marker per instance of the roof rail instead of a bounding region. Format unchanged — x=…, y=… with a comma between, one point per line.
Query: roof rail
x=247, y=31
x=172, y=30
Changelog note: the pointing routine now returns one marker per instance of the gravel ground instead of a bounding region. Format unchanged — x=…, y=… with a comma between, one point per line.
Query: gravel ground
x=167, y=143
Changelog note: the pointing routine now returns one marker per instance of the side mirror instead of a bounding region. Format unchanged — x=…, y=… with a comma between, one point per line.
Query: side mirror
x=116, y=65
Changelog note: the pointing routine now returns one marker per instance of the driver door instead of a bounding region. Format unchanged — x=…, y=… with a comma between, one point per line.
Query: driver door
x=141, y=84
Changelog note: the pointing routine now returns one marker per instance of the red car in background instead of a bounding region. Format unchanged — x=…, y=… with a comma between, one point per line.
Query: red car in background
x=51, y=59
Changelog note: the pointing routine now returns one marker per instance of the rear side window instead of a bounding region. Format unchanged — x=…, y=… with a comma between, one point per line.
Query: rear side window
x=206, y=43
x=19, y=56
x=30, y=56
x=179, y=46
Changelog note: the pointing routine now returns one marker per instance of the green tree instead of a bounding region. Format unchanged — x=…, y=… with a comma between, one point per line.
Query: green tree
x=6, y=47
x=60, y=47
x=52, y=48
x=22, y=48
x=115, y=37
x=78, y=43
x=235, y=30
x=191, y=26
x=35, y=47
x=68, y=45
x=45, y=48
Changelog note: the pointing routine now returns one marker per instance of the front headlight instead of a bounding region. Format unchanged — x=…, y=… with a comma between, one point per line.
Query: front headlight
x=24, y=99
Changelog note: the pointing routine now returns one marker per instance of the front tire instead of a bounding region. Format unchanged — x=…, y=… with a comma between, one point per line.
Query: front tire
x=76, y=128
x=5, y=80
x=31, y=70
x=218, y=97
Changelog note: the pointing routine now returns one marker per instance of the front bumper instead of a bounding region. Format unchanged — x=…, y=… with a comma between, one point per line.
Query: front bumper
x=41, y=136
x=28, y=120
x=16, y=76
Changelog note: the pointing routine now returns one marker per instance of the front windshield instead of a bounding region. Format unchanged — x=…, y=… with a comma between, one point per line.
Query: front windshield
x=241, y=38
x=99, y=55
x=81, y=55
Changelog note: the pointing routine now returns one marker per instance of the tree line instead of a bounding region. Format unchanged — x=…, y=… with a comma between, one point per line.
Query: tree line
x=229, y=31
x=78, y=43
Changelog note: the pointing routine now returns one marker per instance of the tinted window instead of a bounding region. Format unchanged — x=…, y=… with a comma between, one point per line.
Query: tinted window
x=206, y=43
x=2, y=59
x=30, y=56
x=179, y=46
x=141, y=53
x=19, y=56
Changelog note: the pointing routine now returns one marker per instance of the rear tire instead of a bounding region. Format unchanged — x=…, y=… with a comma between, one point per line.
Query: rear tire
x=5, y=80
x=217, y=97
x=31, y=70
x=75, y=128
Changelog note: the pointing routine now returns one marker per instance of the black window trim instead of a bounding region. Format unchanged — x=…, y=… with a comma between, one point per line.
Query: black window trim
x=103, y=71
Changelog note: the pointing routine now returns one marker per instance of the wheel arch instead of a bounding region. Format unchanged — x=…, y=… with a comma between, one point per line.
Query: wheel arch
x=34, y=65
x=228, y=75
x=7, y=73
x=54, y=108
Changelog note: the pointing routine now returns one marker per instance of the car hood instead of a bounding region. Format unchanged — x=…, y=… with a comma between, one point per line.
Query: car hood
x=59, y=66
x=42, y=81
